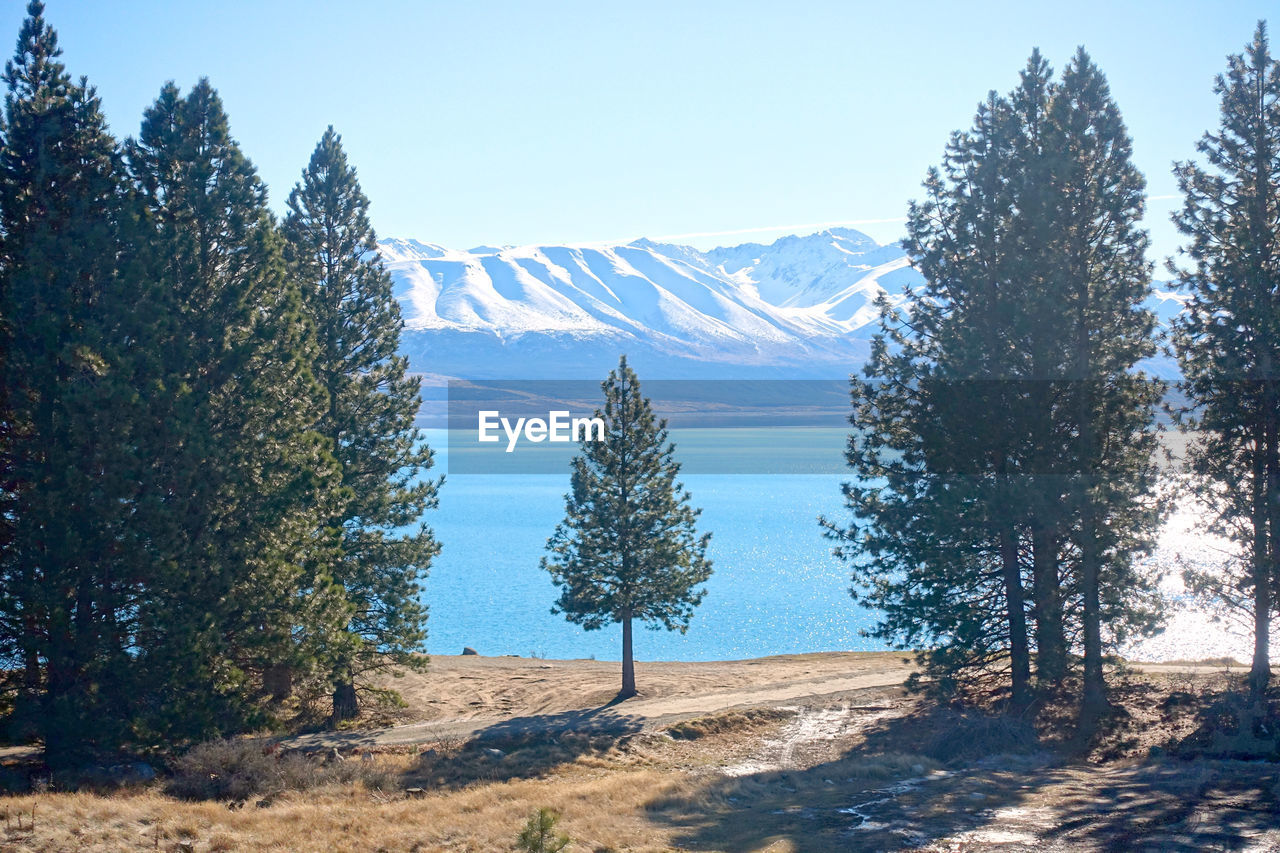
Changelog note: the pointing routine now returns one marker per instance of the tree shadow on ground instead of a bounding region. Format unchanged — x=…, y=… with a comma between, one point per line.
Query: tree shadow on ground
x=601, y=720
x=1170, y=805
x=980, y=783
x=522, y=748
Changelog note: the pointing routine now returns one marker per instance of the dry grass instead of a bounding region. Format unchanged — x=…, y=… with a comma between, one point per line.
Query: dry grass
x=1224, y=662
x=960, y=737
x=614, y=793
x=617, y=803
x=238, y=769
x=601, y=809
x=605, y=806
x=464, y=687
x=458, y=764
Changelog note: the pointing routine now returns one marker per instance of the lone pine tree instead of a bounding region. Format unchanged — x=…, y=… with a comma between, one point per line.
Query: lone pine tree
x=628, y=549
x=1228, y=339
x=540, y=834
x=372, y=401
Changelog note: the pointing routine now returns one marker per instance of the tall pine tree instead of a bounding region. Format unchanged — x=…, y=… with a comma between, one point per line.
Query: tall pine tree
x=71, y=327
x=383, y=548
x=628, y=549
x=240, y=481
x=939, y=444
x=1228, y=339
x=1102, y=278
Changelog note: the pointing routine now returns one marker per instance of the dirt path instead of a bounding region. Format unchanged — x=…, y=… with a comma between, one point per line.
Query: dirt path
x=818, y=732
x=466, y=696
x=474, y=696
x=1029, y=803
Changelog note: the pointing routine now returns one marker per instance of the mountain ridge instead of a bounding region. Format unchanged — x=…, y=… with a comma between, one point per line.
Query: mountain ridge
x=800, y=307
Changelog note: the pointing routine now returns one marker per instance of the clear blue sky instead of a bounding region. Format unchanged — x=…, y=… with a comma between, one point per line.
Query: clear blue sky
x=541, y=122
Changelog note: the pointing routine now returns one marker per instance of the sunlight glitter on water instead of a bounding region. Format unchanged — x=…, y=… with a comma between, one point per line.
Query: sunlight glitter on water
x=1191, y=632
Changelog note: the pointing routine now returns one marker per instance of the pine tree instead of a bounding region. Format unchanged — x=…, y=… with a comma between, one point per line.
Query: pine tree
x=71, y=325
x=332, y=253
x=972, y=470
x=628, y=548
x=936, y=447
x=1103, y=278
x=239, y=480
x=1228, y=339
x=540, y=834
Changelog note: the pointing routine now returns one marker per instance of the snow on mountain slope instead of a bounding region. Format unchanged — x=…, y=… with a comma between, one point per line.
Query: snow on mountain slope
x=799, y=307
x=802, y=306
x=806, y=271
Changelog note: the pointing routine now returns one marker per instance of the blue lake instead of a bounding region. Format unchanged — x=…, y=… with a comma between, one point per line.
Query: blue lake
x=776, y=587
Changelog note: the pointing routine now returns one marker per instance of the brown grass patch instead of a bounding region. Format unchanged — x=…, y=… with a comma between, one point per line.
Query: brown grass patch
x=728, y=722
x=237, y=769
x=601, y=811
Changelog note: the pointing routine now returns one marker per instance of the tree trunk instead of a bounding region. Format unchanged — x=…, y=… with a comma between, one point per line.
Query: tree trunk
x=278, y=682
x=1265, y=469
x=65, y=739
x=1019, y=654
x=346, y=705
x=1051, y=643
x=1260, y=671
x=1094, y=701
x=31, y=671
x=628, y=662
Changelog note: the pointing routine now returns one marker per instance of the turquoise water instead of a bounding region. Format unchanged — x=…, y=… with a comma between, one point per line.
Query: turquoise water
x=776, y=588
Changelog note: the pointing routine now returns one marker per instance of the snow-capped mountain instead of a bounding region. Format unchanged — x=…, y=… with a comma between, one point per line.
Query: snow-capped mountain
x=801, y=307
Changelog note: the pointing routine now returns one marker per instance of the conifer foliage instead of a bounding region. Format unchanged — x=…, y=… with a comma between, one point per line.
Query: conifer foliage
x=628, y=549
x=240, y=479
x=1228, y=339
x=372, y=401
x=66, y=454
x=1003, y=443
